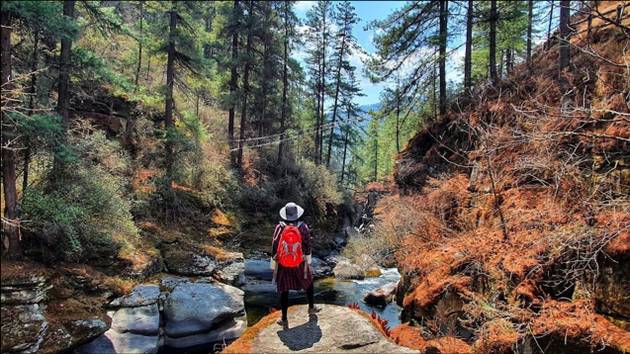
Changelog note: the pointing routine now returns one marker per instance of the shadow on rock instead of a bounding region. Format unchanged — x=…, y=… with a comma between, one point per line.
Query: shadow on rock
x=303, y=336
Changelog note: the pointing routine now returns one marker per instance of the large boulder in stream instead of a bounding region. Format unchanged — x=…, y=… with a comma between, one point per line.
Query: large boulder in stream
x=194, y=308
x=382, y=296
x=180, y=314
x=336, y=329
x=347, y=270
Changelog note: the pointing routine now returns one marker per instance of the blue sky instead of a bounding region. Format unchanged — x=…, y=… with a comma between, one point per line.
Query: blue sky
x=368, y=11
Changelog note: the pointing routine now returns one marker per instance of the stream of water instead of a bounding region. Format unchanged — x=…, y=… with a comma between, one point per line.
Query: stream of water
x=261, y=296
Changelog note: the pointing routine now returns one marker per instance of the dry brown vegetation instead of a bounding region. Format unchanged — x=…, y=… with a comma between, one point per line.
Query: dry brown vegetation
x=518, y=235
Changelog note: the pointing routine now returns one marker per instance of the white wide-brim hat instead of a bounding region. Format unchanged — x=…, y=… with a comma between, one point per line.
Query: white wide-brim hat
x=291, y=212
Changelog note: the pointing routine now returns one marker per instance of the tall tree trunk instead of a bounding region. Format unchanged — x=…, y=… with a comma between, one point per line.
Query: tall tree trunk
x=492, y=50
x=548, y=44
x=530, y=18
x=443, y=40
x=63, y=100
x=141, y=5
x=501, y=61
x=233, y=79
x=335, y=102
x=397, y=120
x=468, y=53
x=376, y=155
x=169, y=101
x=31, y=107
x=10, y=222
x=285, y=80
x=197, y=102
x=563, y=59
x=508, y=61
x=434, y=91
x=317, y=119
x=245, y=86
x=323, y=92
x=345, y=147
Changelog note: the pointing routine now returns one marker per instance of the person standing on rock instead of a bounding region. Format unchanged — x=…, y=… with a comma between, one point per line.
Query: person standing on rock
x=291, y=258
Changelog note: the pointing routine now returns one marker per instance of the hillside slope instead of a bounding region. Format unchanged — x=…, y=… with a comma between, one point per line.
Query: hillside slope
x=516, y=208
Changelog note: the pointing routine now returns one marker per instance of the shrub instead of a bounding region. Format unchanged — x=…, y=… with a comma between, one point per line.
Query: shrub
x=81, y=214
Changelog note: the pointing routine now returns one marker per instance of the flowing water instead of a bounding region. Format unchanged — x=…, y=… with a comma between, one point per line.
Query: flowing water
x=261, y=296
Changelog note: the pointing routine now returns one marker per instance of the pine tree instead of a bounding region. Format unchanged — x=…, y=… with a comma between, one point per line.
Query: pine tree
x=319, y=26
x=468, y=50
x=345, y=18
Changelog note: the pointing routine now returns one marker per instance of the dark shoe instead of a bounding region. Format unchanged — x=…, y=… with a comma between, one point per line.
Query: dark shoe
x=283, y=323
x=313, y=310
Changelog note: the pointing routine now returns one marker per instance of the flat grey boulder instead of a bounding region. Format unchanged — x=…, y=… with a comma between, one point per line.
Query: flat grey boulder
x=143, y=320
x=193, y=308
x=336, y=329
x=226, y=331
x=141, y=295
x=114, y=342
x=258, y=269
x=344, y=269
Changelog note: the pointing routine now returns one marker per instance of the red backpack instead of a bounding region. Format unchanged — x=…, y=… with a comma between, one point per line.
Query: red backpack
x=289, y=251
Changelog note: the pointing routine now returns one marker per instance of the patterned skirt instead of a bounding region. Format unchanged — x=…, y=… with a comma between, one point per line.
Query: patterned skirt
x=293, y=278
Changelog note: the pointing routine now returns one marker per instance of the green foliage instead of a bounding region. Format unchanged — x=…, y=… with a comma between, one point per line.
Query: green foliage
x=82, y=215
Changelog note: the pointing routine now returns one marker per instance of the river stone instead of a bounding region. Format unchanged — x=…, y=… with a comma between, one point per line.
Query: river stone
x=258, y=269
x=197, y=307
x=23, y=328
x=21, y=290
x=62, y=336
x=138, y=320
x=115, y=342
x=225, y=332
x=320, y=268
x=381, y=296
x=233, y=273
x=141, y=295
x=346, y=270
x=335, y=329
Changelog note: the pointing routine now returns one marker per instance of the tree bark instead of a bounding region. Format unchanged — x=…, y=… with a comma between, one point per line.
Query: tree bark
x=233, y=79
x=468, y=53
x=335, y=102
x=10, y=222
x=548, y=44
x=31, y=106
x=345, y=147
x=169, y=102
x=492, y=50
x=398, y=118
x=245, y=87
x=285, y=80
x=530, y=15
x=443, y=40
x=323, y=89
x=564, y=56
x=141, y=5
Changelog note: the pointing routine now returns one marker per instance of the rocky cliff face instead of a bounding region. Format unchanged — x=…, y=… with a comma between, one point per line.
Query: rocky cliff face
x=36, y=318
